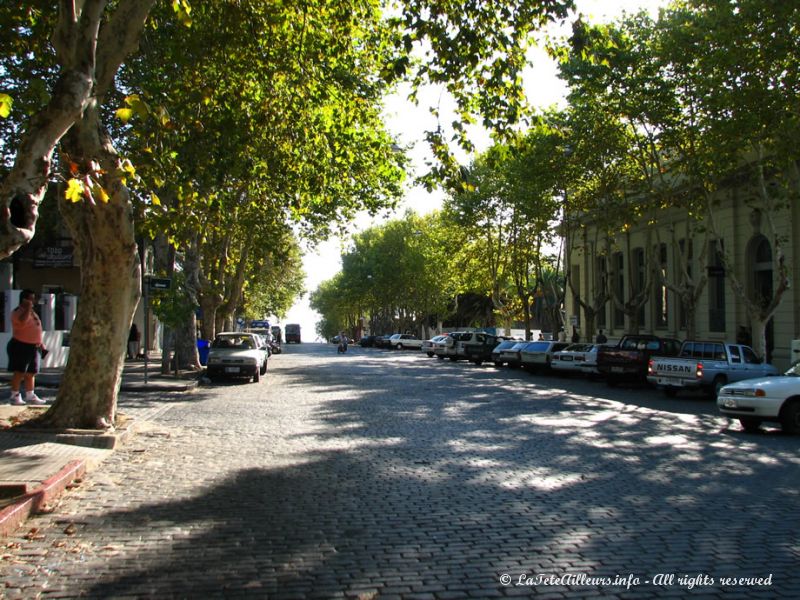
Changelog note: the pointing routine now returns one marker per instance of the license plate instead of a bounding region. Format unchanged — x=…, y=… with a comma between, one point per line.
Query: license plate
x=231, y=369
x=665, y=381
x=617, y=370
x=567, y=358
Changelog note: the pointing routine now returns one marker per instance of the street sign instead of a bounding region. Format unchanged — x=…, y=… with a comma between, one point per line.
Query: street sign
x=156, y=283
x=259, y=324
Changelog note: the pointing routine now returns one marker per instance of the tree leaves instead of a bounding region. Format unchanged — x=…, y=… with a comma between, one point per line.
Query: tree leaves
x=5, y=105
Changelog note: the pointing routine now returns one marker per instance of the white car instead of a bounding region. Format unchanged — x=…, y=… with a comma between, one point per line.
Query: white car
x=403, y=341
x=237, y=354
x=537, y=356
x=576, y=358
x=775, y=398
x=429, y=346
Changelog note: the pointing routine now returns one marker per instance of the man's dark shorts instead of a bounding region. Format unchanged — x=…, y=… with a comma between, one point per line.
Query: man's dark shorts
x=22, y=357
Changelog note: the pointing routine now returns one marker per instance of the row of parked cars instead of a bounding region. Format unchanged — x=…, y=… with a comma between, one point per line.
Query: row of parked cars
x=744, y=386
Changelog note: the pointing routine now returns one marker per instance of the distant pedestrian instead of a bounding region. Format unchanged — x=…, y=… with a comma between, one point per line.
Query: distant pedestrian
x=25, y=349
x=575, y=335
x=134, y=337
x=601, y=338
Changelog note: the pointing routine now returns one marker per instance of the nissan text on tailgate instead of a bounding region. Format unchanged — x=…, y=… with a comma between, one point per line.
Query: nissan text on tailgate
x=706, y=365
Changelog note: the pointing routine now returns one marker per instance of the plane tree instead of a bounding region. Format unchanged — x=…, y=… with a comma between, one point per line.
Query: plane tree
x=739, y=64
x=477, y=49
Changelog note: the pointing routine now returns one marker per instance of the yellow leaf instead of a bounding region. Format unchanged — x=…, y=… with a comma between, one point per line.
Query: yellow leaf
x=124, y=114
x=5, y=105
x=74, y=190
x=128, y=167
x=156, y=200
x=100, y=192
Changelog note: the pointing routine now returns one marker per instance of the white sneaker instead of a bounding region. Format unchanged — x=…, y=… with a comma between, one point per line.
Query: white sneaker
x=17, y=400
x=32, y=398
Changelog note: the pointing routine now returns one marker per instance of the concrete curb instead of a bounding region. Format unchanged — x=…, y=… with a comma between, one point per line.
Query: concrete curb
x=15, y=514
x=87, y=438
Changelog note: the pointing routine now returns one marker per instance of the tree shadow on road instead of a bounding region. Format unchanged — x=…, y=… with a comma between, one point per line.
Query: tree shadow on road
x=439, y=478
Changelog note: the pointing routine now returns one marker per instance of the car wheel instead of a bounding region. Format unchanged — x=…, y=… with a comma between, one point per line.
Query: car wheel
x=257, y=376
x=790, y=417
x=440, y=357
x=670, y=391
x=399, y=346
x=477, y=363
x=264, y=368
x=718, y=384
x=750, y=425
x=498, y=363
x=611, y=381
x=430, y=354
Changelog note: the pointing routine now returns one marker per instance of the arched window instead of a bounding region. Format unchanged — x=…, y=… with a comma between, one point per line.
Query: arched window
x=759, y=258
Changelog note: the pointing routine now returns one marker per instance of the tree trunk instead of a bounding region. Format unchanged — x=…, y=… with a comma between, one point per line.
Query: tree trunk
x=103, y=233
x=208, y=305
x=23, y=188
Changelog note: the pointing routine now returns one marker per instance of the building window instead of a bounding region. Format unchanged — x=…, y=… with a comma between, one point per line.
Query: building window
x=639, y=280
x=619, y=287
x=661, y=292
x=602, y=288
x=716, y=287
x=575, y=274
x=686, y=249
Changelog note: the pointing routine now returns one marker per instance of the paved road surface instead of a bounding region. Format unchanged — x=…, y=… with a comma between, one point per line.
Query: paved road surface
x=389, y=475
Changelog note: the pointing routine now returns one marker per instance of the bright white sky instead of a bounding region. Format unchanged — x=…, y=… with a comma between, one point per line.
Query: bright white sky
x=408, y=122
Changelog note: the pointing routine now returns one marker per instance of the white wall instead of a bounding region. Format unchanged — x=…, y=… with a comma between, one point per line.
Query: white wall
x=53, y=341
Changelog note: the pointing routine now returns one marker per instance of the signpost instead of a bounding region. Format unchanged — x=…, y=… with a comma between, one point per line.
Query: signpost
x=151, y=284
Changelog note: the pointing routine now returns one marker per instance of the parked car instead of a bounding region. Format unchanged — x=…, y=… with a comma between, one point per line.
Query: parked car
x=471, y=338
x=480, y=349
x=536, y=356
x=236, y=354
x=630, y=358
x=510, y=356
x=706, y=365
x=499, y=348
x=429, y=345
x=440, y=348
x=576, y=358
x=381, y=341
x=754, y=401
x=367, y=341
x=403, y=341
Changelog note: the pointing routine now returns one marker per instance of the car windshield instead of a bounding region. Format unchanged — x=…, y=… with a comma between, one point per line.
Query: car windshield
x=794, y=370
x=578, y=348
x=234, y=341
x=538, y=346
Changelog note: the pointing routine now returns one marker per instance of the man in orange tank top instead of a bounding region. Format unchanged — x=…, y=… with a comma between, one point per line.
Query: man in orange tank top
x=24, y=349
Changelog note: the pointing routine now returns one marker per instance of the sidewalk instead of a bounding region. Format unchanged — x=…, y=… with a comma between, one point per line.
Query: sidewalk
x=36, y=466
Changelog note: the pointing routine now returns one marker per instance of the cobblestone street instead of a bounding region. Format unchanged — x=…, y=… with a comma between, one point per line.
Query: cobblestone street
x=380, y=475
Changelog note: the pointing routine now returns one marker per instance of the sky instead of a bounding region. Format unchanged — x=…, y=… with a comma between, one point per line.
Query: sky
x=408, y=121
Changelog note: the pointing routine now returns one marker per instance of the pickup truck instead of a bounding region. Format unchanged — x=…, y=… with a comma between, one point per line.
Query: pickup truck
x=706, y=365
x=775, y=398
x=630, y=357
